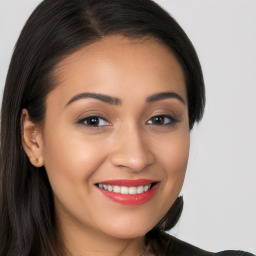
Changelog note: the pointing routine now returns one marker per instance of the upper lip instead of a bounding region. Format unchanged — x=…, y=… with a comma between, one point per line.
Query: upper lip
x=128, y=183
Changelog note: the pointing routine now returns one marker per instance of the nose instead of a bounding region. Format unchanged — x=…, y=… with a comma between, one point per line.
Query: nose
x=131, y=150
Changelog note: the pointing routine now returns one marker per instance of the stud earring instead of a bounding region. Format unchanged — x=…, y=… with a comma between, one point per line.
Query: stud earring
x=35, y=160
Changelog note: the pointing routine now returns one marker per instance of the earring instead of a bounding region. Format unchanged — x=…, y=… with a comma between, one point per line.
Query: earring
x=37, y=162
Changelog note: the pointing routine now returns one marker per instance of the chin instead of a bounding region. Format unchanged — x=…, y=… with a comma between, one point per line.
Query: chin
x=128, y=234
x=128, y=230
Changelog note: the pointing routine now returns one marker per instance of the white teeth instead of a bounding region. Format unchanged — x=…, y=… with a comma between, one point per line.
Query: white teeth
x=146, y=188
x=125, y=190
x=132, y=190
x=117, y=189
x=140, y=189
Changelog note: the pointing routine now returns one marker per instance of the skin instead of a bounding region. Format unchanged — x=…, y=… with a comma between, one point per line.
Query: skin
x=128, y=143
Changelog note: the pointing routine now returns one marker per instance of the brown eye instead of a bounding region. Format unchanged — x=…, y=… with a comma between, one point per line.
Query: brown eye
x=158, y=120
x=162, y=120
x=94, y=121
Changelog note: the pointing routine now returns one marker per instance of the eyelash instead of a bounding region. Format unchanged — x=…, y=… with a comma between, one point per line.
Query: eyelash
x=162, y=118
x=98, y=120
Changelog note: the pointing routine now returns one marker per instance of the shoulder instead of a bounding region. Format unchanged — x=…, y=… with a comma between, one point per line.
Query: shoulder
x=180, y=248
x=166, y=245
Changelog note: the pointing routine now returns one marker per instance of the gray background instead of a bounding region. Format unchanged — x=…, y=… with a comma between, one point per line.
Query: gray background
x=220, y=186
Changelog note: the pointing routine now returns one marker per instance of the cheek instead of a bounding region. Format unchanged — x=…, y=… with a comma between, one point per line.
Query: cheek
x=70, y=161
x=173, y=157
x=174, y=153
x=69, y=152
x=70, y=165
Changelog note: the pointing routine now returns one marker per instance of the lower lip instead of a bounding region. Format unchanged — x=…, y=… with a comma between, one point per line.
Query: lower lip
x=131, y=200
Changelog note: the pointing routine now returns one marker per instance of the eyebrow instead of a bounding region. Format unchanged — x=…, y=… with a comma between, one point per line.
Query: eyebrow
x=116, y=102
x=163, y=96
x=102, y=97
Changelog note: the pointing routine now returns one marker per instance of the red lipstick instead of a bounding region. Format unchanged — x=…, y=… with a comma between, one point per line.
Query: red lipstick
x=145, y=188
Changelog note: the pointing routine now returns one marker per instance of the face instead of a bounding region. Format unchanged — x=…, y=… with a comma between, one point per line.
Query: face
x=115, y=139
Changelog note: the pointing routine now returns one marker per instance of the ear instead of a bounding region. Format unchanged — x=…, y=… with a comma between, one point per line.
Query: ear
x=31, y=139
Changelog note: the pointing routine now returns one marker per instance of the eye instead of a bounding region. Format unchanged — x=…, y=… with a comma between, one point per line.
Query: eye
x=94, y=121
x=162, y=120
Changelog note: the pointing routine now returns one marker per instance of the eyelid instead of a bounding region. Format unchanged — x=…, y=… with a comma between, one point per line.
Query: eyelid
x=82, y=121
x=172, y=122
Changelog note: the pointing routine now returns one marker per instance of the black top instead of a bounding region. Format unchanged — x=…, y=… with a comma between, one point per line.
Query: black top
x=163, y=244
x=177, y=247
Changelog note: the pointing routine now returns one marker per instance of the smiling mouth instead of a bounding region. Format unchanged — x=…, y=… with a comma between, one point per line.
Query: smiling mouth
x=125, y=190
x=129, y=192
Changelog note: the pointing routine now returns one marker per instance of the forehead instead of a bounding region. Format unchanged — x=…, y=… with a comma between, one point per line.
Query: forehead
x=116, y=64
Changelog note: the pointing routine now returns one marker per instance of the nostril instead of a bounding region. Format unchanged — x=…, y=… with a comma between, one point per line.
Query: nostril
x=131, y=151
x=135, y=164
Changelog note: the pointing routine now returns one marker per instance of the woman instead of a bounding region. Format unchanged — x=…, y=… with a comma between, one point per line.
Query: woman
x=98, y=106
